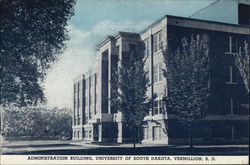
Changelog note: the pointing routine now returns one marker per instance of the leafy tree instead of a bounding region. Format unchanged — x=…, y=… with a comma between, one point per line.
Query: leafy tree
x=187, y=77
x=32, y=35
x=37, y=122
x=129, y=90
x=242, y=63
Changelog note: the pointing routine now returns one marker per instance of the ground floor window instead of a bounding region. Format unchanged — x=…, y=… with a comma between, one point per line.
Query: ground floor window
x=157, y=133
x=86, y=134
x=74, y=134
x=90, y=132
x=78, y=134
x=145, y=133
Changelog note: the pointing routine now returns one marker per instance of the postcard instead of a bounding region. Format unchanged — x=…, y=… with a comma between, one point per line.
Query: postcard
x=124, y=82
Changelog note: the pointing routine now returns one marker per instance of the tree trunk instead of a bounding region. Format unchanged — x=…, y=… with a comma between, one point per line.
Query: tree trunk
x=134, y=137
x=139, y=135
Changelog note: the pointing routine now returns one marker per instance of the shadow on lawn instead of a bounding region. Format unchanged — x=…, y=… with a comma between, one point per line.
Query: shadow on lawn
x=145, y=151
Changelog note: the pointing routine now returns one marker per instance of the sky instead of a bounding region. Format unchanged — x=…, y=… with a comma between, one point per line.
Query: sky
x=92, y=22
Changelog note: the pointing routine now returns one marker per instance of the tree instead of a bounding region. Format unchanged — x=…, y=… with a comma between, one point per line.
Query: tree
x=129, y=90
x=32, y=35
x=187, y=76
x=242, y=63
x=37, y=122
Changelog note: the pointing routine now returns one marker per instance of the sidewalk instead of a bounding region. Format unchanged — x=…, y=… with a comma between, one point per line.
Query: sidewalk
x=79, y=147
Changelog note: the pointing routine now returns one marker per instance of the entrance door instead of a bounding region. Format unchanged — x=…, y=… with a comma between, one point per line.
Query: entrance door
x=95, y=132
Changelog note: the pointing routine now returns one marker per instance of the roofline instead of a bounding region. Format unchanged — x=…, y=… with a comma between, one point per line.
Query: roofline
x=105, y=40
x=123, y=34
x=117, y=35
x=208, y=21
x=79, y=78
x=193, y=19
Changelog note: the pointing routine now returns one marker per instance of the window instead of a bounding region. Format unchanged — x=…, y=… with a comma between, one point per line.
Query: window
x=78, y=95
x=86, y=134
x=231, y=106
x=74, y=134
x=92, y=81
x=86, y=119
x=157, y=133
x=146, y=51
x=158, y=107
x=155, y=110
x=145, y=133
x=158, y=73
x=87, y=84
x=74, y=96
x=78, y=134
x=232, y=45
x=231, y=74
x=90, y=133
x=157, y=42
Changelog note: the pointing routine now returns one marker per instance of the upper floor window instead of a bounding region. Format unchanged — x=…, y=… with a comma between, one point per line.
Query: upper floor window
x=157, y=72
x=146, y=50
x=231, y=106
x=231, y=74
x=86, y=119
x=92, y=81
x=74, y=96
x=157, y=42
x=87, y=83
x=158, y=107
x=78, y=95
x=232, y=45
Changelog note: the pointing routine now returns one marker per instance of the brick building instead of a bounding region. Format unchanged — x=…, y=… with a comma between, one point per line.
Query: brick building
x=97, y=121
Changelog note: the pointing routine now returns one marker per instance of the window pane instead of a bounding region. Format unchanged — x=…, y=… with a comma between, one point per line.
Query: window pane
x=146, y=52
x=145, y=130
x=155, y=111
x=155, y=43
x=234, y=74
x=155, y=74
x=160, y=107
x=227, y=73
x=234, y=43
x=160, y=72
x=87, y=84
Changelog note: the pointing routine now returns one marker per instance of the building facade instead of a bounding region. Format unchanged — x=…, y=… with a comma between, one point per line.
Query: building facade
x=96, y=120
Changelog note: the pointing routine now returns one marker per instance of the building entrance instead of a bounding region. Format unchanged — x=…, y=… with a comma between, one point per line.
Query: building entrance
x=95, y=132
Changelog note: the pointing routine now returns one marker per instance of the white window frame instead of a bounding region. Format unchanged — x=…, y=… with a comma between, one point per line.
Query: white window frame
x=157, y=71
x=157, y=109
x=231, y=81
x=231, y=105
x=157, y=42
x=146, y=51
x=231, y=45
x=145, y=133
x=156, y=133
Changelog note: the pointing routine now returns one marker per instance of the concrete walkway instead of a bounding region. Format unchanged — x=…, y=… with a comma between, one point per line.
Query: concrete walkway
x=57, y=146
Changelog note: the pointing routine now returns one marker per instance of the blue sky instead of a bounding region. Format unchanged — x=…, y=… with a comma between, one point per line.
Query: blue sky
x=92, y=22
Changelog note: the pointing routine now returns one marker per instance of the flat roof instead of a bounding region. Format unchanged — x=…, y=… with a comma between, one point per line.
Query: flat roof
x=117, y=35
x=198, y=20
